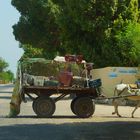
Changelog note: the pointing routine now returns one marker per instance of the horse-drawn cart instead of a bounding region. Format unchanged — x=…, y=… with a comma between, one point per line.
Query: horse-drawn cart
x=57, y=80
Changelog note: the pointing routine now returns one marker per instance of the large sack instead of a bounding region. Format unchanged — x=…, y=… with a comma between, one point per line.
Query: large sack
x=15, y=101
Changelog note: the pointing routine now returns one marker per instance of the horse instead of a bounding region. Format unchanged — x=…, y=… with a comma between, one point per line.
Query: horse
x=124, y=90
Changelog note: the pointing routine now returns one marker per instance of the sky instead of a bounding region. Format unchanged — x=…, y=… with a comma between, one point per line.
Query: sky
x=9, y=49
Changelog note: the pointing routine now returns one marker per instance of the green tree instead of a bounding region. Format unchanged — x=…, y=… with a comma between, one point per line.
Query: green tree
x=88, y=27
x=29, y=51
x=126, y=15
x=10, y=75
x=5, y=75
x=129, y=44
x=3, y=65
x=84, y=25
x=36, y=25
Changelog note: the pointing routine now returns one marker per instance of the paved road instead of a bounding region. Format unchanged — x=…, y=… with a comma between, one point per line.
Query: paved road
x=8, y=88
x=66, y=126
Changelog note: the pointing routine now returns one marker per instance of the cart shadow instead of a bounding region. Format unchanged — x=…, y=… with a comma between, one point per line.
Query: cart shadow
x=53, y=117
x=67, y=117
x=36, y=117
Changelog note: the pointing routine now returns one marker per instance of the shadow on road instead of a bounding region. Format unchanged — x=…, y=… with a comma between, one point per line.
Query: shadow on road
x=63, y=117
x=73, y=131
x=56, y=117
x=53, y=117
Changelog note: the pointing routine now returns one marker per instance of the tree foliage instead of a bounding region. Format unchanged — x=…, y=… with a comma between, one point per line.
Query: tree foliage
x=95, y=28
x=3, y=65
x=5, y=75
x=29, y=51
x=129, y=44
x=36, y=25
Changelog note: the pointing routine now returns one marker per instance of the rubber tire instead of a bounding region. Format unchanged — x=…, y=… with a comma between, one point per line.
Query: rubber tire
x=84, y=107
x=44, y=107
x=34, y=105
x=72, y=105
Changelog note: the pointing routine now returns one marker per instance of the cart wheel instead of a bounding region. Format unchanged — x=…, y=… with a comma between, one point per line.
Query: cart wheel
x=34, y=104
x=44, y=107
x=84, y=107
x=72, y=105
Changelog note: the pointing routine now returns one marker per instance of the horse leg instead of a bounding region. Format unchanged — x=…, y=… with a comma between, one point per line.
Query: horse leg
x=116, y=108
x=118, y=112
x=114, y=104
x=134, y=111
x=138, y=105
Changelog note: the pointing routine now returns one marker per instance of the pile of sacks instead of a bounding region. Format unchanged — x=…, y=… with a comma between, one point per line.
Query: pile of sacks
x=31, y=80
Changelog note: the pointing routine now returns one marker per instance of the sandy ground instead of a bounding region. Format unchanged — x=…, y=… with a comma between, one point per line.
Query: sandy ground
x=65, y=125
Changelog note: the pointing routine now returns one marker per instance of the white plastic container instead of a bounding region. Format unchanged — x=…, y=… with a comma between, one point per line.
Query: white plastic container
x=39, y=80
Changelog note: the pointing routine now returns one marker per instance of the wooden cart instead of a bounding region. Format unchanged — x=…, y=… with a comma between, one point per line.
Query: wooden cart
x=44, y=105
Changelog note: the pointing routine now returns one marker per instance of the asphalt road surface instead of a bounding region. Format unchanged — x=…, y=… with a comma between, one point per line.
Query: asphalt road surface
x=8, y=88
x=64, y=125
